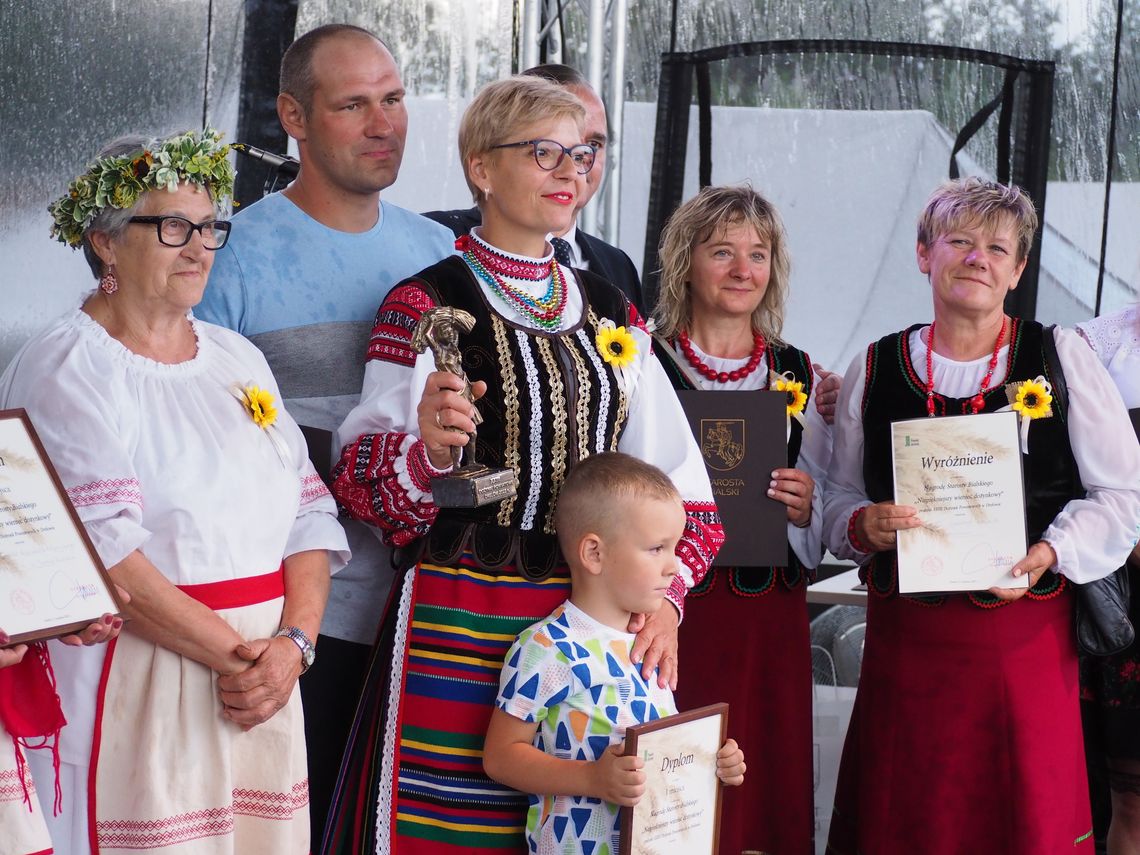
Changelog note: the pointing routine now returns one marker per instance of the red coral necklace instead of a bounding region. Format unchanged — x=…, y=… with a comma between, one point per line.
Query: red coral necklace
x=722, y=376
x=976, y=402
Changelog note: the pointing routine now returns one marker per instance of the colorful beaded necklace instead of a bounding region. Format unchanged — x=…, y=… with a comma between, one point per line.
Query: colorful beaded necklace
x=721, y=376
x=545, y=311
x=505, y=265
x=976, y=402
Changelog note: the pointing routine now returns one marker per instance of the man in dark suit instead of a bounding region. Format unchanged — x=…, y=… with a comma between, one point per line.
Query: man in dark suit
x=583, y=250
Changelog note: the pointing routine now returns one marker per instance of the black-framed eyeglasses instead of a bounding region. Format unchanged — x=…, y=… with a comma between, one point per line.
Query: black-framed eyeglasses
x=548, y=154
x=176, y=231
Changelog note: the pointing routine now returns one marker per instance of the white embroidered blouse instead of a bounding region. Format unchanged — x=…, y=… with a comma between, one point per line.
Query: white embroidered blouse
x=164, y=459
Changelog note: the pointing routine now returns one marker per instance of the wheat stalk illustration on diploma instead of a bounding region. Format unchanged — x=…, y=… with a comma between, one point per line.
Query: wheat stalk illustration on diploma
x=916, y=485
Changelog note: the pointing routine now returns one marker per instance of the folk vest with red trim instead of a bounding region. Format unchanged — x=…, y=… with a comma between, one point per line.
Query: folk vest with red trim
x=756, y=581
x=551, y=400
x=896, y=390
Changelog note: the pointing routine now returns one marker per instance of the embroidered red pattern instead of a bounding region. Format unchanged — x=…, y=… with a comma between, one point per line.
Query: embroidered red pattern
x=10, y=788
x=150, y=834
x=395, y=322
x=702, y=539
x=210, y=822
x=366, y=485
x=312, y=488
x=267, y=805
x=125, y=490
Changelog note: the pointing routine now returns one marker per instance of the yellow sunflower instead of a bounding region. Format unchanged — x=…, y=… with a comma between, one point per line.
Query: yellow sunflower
x=1032, y=400
x=797, y=398
x=616, y=345
x=260, y=404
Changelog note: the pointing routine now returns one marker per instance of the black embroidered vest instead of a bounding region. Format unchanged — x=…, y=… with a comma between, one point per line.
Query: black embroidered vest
x=755, y=581
x=896, y=390
x=551, y=400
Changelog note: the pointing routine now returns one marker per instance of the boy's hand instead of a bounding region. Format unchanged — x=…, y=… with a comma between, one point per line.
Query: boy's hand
x=617, y=779
x=730, y=764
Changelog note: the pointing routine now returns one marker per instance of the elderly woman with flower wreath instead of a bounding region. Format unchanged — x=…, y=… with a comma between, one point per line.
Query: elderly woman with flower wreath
x=185, y=734
x=565, y=371
x=966, y=732
x=720, y=309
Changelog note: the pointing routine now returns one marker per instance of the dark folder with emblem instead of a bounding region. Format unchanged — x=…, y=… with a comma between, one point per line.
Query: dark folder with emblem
x=743, y=436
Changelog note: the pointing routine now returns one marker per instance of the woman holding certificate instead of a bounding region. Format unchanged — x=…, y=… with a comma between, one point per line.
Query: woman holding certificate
x=966, y=732
x=568, y=374
x=1110, y=685
x=723, y=288
x=186, y=731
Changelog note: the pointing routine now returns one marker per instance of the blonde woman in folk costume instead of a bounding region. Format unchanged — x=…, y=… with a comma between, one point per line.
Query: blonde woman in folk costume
x=723, y=291
x=568, y=374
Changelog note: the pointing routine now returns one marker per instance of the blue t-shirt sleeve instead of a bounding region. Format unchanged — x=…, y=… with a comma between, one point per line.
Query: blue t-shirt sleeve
x=224, y=300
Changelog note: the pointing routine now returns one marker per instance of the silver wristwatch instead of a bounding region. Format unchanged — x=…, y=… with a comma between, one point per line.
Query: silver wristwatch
x=304, y=644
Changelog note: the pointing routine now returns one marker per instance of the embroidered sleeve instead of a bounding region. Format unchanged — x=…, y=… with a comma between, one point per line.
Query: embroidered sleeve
x=312, y=488
x=385, y=480
x=395, y=322
x=86, y=423
x=702, y=539
x=384, y=475
x=316, y=525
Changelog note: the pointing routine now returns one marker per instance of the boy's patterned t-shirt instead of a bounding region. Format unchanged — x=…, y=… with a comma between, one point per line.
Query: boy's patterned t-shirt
x=573, y=677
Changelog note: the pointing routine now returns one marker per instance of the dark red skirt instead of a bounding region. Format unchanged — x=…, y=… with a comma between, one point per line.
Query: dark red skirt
x=966, y=733
x=754, y=653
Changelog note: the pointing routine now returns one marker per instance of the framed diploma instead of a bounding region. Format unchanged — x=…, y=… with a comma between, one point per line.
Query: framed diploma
x=963, y=474
x=743, y=436
x=51, y=579
x=680, y=811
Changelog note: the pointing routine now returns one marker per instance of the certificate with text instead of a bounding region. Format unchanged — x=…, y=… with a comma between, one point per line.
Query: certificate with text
x=679, y=814
x=51, y=579
x=964, y=475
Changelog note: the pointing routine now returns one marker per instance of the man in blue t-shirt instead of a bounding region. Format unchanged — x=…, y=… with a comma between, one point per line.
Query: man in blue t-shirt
x=302, y=276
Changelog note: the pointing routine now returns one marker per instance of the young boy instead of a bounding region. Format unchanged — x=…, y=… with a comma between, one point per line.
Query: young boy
x=568, y=689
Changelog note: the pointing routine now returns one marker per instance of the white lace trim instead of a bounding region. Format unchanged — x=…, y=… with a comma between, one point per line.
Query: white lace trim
x=537, y=406
x=400, y=467
x=386, y=802
x=1110, y=334
x=603, y=389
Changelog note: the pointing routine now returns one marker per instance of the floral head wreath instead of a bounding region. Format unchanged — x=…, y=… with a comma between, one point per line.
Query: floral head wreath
x=119, y=182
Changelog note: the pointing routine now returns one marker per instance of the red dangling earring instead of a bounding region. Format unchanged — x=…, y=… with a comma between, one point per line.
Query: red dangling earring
x=108, y=284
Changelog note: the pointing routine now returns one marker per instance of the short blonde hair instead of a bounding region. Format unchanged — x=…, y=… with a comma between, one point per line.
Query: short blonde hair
x=501, y=108
x=709, y=213
x=598, y=488
x=965, y=202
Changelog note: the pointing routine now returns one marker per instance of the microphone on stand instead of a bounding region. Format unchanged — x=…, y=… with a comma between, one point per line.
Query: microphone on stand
x=286, y=167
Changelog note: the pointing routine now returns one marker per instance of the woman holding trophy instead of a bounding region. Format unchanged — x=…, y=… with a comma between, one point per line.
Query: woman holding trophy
x=556, y=367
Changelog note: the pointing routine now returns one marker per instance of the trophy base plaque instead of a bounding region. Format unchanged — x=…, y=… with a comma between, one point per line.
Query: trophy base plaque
x=472, y=487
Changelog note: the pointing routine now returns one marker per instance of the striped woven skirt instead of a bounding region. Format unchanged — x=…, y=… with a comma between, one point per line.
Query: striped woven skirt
x=412, y=780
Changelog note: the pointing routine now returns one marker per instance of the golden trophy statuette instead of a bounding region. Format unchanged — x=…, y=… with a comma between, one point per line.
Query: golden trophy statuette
x=470, y=484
